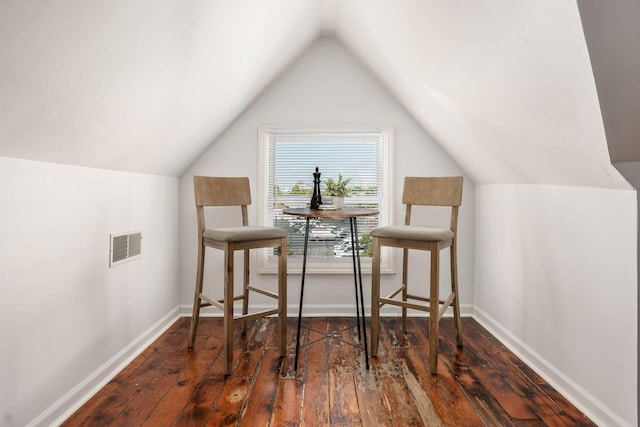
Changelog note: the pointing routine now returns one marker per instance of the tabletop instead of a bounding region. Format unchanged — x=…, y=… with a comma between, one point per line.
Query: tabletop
x=330, y=213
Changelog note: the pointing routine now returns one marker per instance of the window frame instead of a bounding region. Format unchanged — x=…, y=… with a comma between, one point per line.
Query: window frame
x=266, y=262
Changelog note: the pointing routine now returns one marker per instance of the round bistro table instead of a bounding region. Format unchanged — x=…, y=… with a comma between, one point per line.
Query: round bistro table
x=352, y=214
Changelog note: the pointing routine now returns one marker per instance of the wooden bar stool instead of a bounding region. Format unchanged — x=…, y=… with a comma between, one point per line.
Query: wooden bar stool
x=444, y=191
x=217, y=191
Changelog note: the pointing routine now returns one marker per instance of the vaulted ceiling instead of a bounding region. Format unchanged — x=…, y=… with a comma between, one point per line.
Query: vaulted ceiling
x=612, y=32
x=506, y=87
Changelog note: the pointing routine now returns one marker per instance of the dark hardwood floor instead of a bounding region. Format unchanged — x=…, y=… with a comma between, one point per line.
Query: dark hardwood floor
x=481, y=384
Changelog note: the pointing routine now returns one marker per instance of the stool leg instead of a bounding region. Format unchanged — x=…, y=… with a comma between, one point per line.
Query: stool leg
x=228, y=311
x=282, y=296
x=454, y=289
x=433, y=310
x=196, y=299
x=245, y=290
x=375, y=296
x=405, y=284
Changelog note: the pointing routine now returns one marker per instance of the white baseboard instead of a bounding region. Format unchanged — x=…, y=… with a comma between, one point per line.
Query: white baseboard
x=579, y=397
x=326, y=310
x=80, y=394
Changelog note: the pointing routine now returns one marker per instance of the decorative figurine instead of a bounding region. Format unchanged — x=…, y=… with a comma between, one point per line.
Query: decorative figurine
x=316, y=199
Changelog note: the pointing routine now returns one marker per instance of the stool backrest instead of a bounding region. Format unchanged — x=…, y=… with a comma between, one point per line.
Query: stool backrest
x=433, y=191
x=221, y=191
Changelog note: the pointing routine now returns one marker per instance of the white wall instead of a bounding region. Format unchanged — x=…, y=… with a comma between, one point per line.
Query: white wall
x=556, y=281
x=326, y=86
x=631, y=171
x=64, y=314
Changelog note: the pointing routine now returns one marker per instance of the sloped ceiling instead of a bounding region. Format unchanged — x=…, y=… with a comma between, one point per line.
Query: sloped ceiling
x=505, y=87
x=142, y=85
x=612, y=31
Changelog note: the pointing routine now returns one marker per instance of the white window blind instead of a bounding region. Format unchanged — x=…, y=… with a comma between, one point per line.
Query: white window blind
x=289, y=157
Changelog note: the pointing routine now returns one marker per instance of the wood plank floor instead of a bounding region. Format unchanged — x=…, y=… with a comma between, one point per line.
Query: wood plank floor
x=482, y=384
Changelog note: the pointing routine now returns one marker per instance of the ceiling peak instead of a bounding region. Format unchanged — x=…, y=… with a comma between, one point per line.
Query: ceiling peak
x=328, y=17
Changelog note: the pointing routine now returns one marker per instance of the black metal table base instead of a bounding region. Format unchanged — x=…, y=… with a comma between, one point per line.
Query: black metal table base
x=331, y=334
x=357, y=275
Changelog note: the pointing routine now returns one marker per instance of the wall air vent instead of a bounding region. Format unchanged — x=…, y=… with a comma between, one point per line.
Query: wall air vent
x=125, y=246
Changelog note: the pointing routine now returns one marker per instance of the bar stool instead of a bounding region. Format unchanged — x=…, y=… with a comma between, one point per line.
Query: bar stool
x=226, y=191
x=442, y=191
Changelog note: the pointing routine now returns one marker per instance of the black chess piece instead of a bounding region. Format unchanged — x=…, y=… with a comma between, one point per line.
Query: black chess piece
x=316, y=199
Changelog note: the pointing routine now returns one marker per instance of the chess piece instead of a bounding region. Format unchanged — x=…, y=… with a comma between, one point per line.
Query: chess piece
x=316, y=199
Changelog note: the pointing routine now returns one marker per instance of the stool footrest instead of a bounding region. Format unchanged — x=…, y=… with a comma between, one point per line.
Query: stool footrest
x=396, y=292
x=263, y=292
x=403, y=304
x=244, y=317
x=425, y=299
x=252, y=316
x=443, y=304
x=210, y=301
x=446, y=304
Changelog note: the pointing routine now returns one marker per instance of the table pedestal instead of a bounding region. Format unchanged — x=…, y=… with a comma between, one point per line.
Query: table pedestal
x=352, y=214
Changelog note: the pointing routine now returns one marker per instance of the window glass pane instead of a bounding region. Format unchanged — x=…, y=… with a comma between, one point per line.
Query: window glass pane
x=290, y=159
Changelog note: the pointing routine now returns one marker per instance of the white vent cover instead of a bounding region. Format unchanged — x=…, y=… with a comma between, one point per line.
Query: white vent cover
x=125, y=246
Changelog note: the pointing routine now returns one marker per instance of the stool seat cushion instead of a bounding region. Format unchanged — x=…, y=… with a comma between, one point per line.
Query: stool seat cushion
x=243, y=234
x=413, y=232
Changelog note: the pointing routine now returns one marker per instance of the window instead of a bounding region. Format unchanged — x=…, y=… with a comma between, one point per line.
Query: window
x=288, y=157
